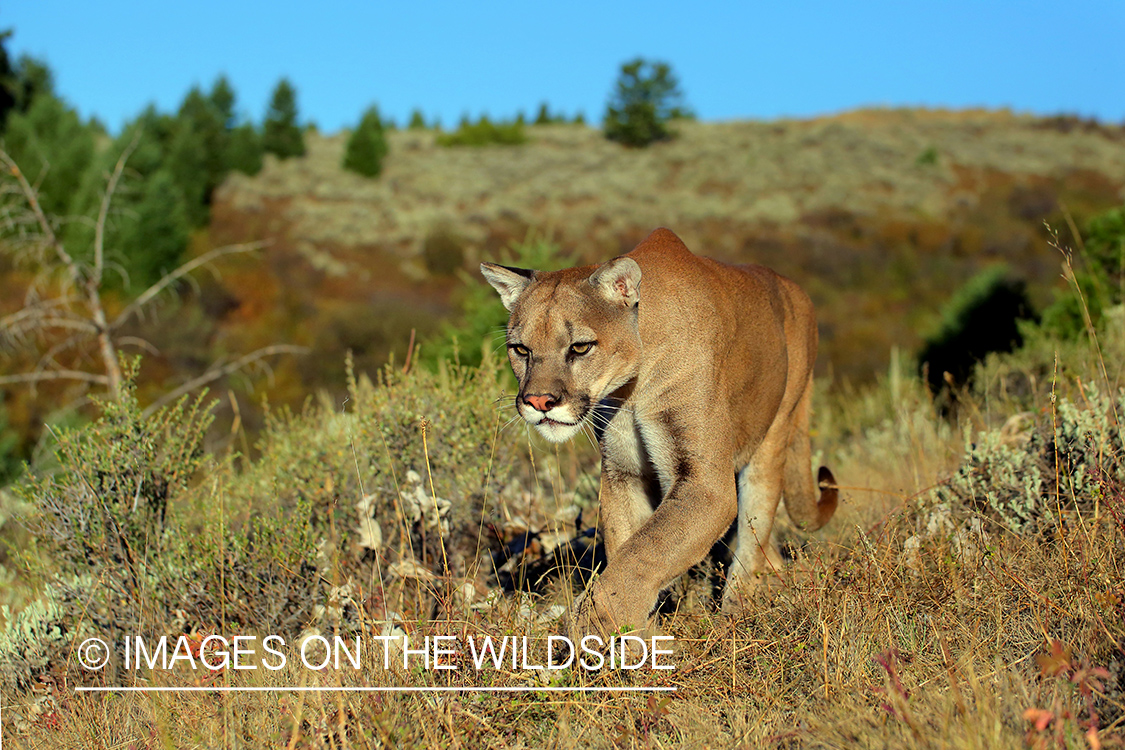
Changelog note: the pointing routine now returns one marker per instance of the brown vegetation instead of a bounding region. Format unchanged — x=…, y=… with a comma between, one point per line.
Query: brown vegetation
x=847, y=204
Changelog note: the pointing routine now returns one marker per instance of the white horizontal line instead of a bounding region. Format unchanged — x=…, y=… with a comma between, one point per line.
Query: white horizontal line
x=370, y=689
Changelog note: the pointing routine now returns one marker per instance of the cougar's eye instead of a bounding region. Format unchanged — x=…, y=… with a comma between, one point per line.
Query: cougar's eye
x=581, y=348
x=520, y=350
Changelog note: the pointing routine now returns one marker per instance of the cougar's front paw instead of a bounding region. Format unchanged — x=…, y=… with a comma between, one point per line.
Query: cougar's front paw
x=604, y=610
x=735, y=601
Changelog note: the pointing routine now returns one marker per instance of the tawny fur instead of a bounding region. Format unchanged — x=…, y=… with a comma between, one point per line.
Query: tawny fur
x=697, y=376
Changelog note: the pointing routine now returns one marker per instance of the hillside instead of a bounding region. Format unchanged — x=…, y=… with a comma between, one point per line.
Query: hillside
x=969, y=592
x=880, y=214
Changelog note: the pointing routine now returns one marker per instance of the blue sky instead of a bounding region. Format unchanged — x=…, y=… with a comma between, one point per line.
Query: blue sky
x=735, y=60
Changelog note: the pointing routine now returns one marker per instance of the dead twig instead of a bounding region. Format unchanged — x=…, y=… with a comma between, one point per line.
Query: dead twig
x=218, y=371
x=153, y=291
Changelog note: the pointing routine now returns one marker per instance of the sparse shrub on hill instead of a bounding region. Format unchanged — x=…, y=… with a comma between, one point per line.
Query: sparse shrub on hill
x=484, y=133
x=981, y=317
x=543, y=116
x=928, y=157
x=645, y=97
x=367, y=146
x=443, y=251
x=281, y=136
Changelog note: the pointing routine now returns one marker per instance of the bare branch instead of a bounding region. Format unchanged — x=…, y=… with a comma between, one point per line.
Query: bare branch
x=15, y=328
x=32, y=198
x=139, y=343
x=37, y=377
x=111, y=187
x=48, y=358
x=149, y=294
x=75, y=324
x=30, y=312
x=219, y=371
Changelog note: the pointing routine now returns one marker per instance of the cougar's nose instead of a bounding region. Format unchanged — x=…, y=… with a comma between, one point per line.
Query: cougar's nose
x=541, y=402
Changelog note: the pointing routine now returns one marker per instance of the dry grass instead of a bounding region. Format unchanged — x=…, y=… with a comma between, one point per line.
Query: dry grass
x=573, y=182
x=856, y=644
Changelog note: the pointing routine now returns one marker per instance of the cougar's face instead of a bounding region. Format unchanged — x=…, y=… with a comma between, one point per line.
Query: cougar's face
x=569, y=349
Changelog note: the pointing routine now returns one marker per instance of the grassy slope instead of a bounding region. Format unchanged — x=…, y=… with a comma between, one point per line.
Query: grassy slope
x=848, y=205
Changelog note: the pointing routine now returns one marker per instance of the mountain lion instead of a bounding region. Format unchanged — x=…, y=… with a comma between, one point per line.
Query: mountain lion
x=699, y=399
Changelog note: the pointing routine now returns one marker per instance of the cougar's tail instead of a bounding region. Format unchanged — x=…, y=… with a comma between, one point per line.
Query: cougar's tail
x=809, y=509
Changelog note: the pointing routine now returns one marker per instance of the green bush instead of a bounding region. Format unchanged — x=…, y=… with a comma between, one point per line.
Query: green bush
x=9, y=450
x=135, y=529
x=927, y=158
x=645, y=97
x=367, y=146
x=981, y=317
x=484, y=133
x=1099, y=275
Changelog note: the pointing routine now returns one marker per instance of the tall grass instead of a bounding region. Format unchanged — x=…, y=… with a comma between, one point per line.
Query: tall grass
x=917, y=619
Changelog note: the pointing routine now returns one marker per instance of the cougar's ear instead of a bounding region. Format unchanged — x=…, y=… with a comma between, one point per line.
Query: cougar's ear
x=619, y=281
x=510, y=282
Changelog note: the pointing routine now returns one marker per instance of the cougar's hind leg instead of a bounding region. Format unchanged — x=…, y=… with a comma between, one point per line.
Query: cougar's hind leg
x=759, y=492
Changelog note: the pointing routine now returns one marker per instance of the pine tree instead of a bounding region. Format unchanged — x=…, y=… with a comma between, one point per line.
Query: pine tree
x=543, y=117
x=50, y=140
x=155, y=241
x=148, y=135
x=9, y=81
x=281, y=135
x=35, y=79
x=646, y=95
x=222, y=97
x=244, y=151
x=367, y=146
x=197, y=155
x=417, y=120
